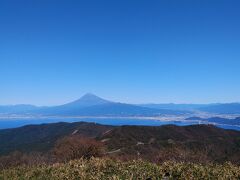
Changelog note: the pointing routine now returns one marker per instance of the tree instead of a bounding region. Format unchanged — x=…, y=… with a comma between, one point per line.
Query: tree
x=75, y=147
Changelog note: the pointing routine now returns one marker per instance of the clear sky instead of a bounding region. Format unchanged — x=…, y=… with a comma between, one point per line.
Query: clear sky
x=181, y=51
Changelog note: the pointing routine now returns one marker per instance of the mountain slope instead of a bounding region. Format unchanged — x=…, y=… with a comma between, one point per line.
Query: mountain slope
x=194, y=143
x=42, y=137
x=109, y=109
x=91, y=105
x=86, y=101
x=198, y=143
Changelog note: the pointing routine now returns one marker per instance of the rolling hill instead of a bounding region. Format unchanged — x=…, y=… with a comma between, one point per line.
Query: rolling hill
x=192, y=143
x=43, y=137
x=195, y=143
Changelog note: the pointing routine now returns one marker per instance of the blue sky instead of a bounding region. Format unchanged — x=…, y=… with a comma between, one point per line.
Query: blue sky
x=54, y=51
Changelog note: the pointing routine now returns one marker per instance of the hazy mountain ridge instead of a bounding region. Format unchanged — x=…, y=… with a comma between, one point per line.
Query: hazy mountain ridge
x=218, y=108
x=229, y=108
x=20, y=108
x=174, y=106
x=92, y=105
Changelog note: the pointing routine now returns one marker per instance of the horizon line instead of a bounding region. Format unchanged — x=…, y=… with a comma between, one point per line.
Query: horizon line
x=143, y=103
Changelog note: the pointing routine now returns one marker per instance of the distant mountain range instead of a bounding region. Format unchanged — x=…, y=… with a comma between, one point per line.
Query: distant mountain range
x=218, y=108
x=172, y=106
x=92, y=105
x=88, y=105
x=21, y=108
x=230, y=108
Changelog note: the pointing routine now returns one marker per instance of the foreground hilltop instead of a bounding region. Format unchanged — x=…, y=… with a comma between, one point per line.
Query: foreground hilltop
x=201, y=143
x=196, y=143
x=41, y=138
x=93, y=151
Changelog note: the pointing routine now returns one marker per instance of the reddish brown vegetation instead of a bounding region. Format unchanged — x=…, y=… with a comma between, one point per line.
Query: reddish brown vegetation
x=17, y=158
x=67, y=148
x=198, y=144
x=74, y=147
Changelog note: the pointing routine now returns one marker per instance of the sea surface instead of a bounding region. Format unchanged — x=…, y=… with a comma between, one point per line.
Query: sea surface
x=18, y=122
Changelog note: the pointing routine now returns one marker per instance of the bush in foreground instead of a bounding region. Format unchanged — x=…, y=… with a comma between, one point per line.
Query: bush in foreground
x=76, y=147
x=96, y=168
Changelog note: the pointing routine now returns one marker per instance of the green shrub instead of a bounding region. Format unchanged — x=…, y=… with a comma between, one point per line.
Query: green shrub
x=96, y=168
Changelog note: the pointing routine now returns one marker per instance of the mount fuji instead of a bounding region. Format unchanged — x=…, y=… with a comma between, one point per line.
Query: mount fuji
x=92, y=105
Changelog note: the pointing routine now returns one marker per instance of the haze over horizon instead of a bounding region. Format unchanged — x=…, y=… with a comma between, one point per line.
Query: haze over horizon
x=53, y=52
x=94, y=97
